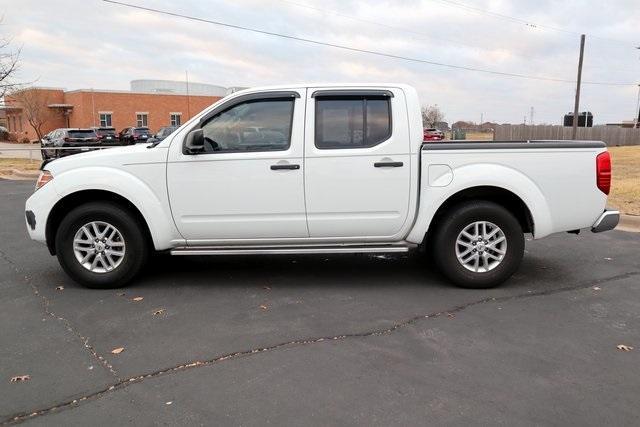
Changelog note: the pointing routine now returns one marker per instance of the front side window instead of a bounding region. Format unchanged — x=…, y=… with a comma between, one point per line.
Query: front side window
x=174, y=119
x=256, y=125
x=105, y=120
x=141, y=119
x=352, y=121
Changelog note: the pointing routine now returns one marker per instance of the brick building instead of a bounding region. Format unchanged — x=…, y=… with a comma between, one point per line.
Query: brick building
x=91, y=107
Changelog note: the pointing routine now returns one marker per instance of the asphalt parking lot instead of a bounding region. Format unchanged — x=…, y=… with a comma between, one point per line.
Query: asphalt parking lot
x=349, y=340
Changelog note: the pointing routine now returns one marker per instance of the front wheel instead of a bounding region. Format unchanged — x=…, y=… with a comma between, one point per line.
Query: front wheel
x=101, y=245
x=478, y=244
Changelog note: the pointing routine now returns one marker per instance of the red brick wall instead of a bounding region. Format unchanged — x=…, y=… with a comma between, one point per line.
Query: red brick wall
x=53, y=117
x=123, y=106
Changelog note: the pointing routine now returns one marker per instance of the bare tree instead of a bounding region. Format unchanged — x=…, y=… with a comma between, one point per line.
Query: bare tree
x=34, y=106
x=431, y=115
x=8, y=65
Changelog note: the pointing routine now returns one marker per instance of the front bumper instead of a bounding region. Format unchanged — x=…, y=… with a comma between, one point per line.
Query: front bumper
x=37, y=209
x=607, y=221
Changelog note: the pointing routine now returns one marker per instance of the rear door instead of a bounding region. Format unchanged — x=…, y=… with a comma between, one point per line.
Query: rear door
x=357, y=157
x=248, y=184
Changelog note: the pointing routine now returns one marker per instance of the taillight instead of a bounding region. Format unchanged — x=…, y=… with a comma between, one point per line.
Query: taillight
x=603, y=172
x=45, y=176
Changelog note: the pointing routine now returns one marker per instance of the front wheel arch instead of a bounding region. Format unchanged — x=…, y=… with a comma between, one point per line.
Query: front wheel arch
x=73, y=200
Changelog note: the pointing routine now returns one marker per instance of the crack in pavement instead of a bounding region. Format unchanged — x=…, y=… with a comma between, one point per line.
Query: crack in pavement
x=70, y=404
x=46, y=304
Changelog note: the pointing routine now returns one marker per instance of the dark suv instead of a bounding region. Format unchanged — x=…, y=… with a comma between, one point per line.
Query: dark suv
x=133, y=135
x=163, y=133
x=67, y=137
x=107, y=135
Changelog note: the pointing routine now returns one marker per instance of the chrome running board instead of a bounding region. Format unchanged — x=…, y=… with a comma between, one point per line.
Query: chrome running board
x=290, y=250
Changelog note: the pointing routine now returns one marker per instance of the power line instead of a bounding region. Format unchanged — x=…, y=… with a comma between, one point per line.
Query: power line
x=381, y=24
x=525, y=22
x=354, y=49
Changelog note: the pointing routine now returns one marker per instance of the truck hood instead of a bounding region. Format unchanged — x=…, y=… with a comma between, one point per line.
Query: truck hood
x=116, y=157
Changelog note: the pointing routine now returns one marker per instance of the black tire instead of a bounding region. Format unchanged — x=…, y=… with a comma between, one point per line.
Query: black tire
x=136, y=246
x=454, y=222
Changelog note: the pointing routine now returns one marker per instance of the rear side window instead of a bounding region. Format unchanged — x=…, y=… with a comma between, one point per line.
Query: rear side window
x=352, y=121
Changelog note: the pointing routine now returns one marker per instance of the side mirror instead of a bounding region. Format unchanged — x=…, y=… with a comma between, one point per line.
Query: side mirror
x=194, y=143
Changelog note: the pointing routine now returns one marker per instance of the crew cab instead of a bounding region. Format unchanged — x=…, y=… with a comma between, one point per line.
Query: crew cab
x=316, y=169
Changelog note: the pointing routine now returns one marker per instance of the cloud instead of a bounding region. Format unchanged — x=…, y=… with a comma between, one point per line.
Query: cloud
x=94, y=44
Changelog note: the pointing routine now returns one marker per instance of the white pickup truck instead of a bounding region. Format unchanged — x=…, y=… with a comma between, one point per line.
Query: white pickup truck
x=316, y=169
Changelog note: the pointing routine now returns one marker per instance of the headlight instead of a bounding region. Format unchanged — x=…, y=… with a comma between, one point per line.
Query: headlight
x=45, y=176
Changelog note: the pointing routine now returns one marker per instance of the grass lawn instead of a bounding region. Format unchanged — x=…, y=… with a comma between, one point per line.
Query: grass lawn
x=625, y=188
x=6, y=165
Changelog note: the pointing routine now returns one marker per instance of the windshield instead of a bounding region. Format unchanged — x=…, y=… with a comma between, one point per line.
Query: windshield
x=103, y=132
x=141, y=131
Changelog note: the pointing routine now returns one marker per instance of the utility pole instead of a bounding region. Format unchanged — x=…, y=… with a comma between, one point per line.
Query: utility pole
x=531, y=117
x=577, y=103
x=637, y=125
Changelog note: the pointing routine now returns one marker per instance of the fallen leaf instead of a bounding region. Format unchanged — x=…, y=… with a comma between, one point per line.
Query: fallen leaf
x=59, y=288
x=117, y=350
x=596, y=288
x=608, y=259
x=136, y=299
x=264, y=307
x=120, y=294
x=267, y=288
x=20, y=378
x=168, y=403
x=451, y=315
x=623, y=347
x=158, y=311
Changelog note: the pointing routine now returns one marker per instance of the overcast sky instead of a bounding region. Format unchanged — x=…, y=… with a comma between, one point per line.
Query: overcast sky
x=89, y=43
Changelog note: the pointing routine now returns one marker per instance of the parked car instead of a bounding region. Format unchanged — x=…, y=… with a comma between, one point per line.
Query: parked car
x=67, y=137
x=107, y=135
x=334, y=176
x=432, y=134
x=162, y=133
x=133, y=135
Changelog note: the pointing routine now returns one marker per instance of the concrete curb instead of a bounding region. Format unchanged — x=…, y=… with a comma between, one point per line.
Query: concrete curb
x=629, y=223
x=25, y=174
x=19, y=175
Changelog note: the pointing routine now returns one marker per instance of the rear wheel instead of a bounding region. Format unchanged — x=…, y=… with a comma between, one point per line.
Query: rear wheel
x=478, y=244
x=101, y=245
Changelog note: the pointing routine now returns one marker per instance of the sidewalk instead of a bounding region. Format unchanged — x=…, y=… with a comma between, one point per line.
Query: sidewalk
x=19, y=154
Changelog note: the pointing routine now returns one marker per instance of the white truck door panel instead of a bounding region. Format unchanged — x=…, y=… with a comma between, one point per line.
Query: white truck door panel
x=243, y=187
x=357, y=163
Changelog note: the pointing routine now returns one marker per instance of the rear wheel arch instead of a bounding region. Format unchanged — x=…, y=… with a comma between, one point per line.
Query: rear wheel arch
x=73, y=200
x=501, y=196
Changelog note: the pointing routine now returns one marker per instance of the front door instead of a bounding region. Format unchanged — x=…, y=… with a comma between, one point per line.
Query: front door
x=248, y=184
x=357, y=163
